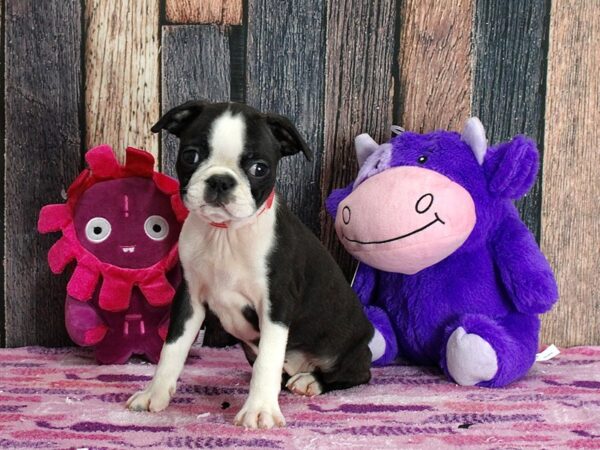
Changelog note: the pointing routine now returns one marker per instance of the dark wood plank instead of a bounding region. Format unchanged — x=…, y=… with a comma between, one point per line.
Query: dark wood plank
x=285, y=75
x=43, y=155
x=2, y=137
x=226, y=12
x=122, y=74
x=195, y=65
x=237, y=55
x=359, y=94
x=435, y=64
x=571, y=186
x=510, y=44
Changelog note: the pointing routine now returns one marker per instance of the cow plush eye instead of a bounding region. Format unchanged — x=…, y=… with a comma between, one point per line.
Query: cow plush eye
x=156, y=228
x=97, y=230
x=422, y=159
x=190, y=156
x=258, y=170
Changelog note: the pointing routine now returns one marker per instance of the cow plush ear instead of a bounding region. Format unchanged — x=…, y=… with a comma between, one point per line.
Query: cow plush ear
x=178, y=118
x=365, y=146
x=511, y=168
x=287, y=135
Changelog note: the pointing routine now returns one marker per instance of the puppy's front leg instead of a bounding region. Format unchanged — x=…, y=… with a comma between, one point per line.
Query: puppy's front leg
x=186, y=319
x=261, y=409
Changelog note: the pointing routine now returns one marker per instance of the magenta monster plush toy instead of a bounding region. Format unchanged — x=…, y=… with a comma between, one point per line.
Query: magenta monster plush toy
x=121, y=225
x=449, y=273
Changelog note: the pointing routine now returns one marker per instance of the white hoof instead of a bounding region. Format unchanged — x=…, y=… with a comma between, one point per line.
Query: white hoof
x=377, y=345
x=304, y=383
x=470, y=358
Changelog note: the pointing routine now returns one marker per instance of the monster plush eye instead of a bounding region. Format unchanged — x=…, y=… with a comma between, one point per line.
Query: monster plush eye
x=156, y=228
x=97, y=230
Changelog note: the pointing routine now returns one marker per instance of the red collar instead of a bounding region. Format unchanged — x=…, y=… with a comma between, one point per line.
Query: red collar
x=267, y=205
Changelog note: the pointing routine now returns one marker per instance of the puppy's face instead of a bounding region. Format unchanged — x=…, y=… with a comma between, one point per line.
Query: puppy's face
x=228, y=156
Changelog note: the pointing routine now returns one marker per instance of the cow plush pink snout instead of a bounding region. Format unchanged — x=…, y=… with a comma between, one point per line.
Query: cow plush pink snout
x=405, y=219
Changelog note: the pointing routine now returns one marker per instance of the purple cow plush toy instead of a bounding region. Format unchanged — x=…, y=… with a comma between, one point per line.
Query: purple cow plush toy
x=449, y=274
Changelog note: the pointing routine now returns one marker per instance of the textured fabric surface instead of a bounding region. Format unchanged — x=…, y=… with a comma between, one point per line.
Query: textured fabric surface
x=59, y=398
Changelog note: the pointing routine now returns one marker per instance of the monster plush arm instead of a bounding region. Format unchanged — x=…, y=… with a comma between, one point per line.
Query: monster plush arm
x=511, y=169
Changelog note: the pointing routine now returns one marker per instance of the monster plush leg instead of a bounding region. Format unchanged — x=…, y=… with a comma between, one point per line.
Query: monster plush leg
x=84, y=325
x=483, y=351
x=383, y=346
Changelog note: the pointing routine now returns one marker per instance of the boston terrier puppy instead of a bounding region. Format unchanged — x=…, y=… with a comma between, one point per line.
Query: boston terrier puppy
x=250, y=261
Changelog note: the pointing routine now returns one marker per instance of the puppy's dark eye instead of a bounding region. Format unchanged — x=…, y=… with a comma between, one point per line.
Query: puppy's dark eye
x=422, y=159
x=258, y=170
x=190, y=156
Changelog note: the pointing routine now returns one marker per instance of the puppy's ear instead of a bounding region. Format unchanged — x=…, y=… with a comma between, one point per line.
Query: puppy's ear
x=287, y=135
x=175, y=120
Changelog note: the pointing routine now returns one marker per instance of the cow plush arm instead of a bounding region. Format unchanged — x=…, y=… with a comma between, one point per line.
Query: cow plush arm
x=525, y=272
x=364, y=283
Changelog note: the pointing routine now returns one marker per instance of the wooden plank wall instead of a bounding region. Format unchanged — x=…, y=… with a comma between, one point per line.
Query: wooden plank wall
x=509, y=79
x=435, y=43
x=285, y=75
x=195, y=64
x=570, y=206
x=43, y=130
x=359, y=66
x=121, y=73
x=104, y=72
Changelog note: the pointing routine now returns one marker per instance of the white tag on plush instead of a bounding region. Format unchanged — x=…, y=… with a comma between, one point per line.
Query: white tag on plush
x=354, y=276
x=548, y=354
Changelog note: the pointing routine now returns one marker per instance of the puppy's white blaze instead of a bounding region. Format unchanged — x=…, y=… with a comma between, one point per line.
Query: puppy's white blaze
x=226, y=139
x=226, y=142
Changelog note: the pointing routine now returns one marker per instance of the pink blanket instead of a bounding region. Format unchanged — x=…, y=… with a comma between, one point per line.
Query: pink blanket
x=59, y=398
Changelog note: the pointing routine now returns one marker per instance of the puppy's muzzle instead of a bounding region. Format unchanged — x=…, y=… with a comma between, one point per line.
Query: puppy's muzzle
x=219, y=188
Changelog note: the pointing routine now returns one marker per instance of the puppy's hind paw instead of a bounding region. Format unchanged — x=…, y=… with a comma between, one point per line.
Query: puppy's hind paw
x=304, y=383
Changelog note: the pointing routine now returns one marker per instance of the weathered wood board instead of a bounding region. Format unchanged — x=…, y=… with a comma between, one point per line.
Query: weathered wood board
x=285, y=67
x=435, y=64
x=122, y=73
x=510, y=42
x=2, y=212
x=225, y=12
x=195, y=65
x=43, y=104
x=359, y=94
x=570, y=206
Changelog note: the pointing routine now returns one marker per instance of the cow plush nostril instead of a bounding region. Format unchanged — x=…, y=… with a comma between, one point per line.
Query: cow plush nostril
x=424, y=203
x=346, y=215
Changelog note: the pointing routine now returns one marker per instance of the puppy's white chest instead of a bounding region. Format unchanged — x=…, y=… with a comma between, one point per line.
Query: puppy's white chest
x=227, y=270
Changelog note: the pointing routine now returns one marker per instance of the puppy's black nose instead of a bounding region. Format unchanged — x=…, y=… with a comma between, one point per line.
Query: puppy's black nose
x=218, y=187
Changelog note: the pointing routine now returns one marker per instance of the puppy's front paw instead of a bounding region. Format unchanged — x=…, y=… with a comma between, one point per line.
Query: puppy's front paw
x=150, y=399
x=259, y=414
x=304, y=383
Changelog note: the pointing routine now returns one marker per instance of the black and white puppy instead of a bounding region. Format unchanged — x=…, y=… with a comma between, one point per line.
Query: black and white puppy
x=249, y=260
